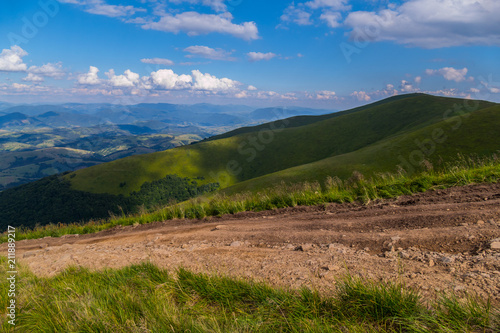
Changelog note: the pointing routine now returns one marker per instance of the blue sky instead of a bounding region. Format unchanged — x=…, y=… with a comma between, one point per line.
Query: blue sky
x=320, y=53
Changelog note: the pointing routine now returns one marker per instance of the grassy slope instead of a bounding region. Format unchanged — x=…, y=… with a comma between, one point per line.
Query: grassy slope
x=306, y=120
x=145, y=298
x=346, y=132
x=474, y=133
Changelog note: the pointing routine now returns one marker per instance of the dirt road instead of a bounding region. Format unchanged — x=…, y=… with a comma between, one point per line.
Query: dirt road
x=442, y=240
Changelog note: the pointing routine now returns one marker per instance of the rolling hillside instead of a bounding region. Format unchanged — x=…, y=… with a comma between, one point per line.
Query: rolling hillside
x=401, y=131
x=470, y=134
x=272, y=147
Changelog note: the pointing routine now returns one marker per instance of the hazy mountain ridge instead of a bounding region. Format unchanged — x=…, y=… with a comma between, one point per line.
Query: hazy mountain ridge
x=89, y=134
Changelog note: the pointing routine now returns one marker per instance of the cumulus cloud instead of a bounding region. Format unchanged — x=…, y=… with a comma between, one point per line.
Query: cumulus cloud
x=208, y=53
x=33, y=78
x=54, y=71
x=267, y=94
x=431, y=24
x=217, y=5
x=306, y=13
x=100, y=7
x=158, y=61
x=212, y=83
x=257, y=56
x=325, y=95
x=449, y=73
x=19, y=86
x=194, y=24
x=11, y=60
x=112, y=10
x=333, y=4
x=190, y=22
x=296, y=15
x=332, y=19
x=127, y=80
x=361, y=96
x=418, y=79
x=490, y=85
x=251, y=88
x=241, y=94
x=90, y=78
x=167, y=79
x=406, y=86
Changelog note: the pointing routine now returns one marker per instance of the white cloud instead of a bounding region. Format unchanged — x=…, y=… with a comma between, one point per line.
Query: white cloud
x=296, y=15
x=167, y=79
x=325, y=95
x=208, y=52
x=194, y=24
x=128, y=80
x=19, y=86
x=241, y=94
x=257, y=56
x=33, y=78
x=112, y=10
x=190, y=22
x=406, y=86
x=158, y=61
x=217, y=5
x=361, y=96
x=332, y=19
x=90, y=78
x=54, y=71
x=289, y=96
x=333, y=4
x=490, y=85
x=212, y=83
x=418, y=79
x=267, y=94
x=449, y=73
x=100, y=7
x=11, y=60
x=431, y=23
x=252, y=88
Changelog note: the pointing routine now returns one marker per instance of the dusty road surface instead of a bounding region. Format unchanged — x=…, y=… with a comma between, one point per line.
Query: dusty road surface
x=442, y=240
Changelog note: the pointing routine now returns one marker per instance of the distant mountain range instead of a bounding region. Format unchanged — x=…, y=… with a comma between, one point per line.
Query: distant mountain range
x=85, y=115
x=41, y=140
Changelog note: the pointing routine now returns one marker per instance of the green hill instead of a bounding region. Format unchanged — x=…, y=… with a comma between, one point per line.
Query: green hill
x=473, y=133
x=274, y=146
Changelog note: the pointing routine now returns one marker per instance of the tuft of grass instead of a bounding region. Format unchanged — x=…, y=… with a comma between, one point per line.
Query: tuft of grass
x=145, y=298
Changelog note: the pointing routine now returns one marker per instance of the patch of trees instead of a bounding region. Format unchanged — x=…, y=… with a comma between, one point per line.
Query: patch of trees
x=170, y=189
x=52, y=200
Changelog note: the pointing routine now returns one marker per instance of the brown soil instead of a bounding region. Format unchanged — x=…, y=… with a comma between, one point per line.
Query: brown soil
x=435, y=241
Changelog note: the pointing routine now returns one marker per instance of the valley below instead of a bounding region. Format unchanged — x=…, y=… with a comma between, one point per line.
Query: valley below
x=443, y=240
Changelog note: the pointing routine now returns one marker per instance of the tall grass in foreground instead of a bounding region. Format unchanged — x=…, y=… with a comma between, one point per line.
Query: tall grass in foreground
x=464, y=171
x=145, y=298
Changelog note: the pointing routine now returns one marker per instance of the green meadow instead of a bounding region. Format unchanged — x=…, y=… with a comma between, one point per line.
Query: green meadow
x=145, y=298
